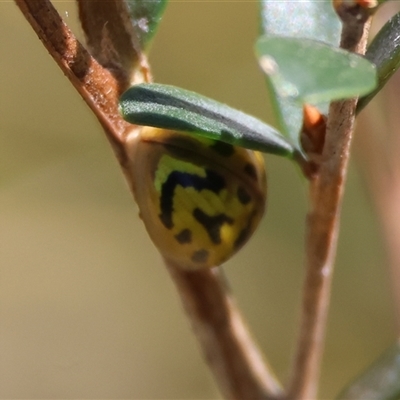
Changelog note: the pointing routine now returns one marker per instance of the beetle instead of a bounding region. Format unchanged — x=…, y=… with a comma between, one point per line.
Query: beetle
x=200, y=199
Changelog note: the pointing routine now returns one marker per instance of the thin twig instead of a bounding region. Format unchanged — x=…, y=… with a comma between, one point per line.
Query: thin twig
x=234, y=359
x=97, y=85
x=326, y=194
x=112, y=40
x=240, y=371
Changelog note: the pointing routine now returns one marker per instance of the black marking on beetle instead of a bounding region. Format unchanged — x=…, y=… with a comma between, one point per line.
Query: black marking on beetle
x=200, y=256
x=212, y=181
x=184, y=236
x=250, y=170
x=212, y=224
x=223, y=149
x=242, y=238
x=245, y=232
x=243, y=195
x=180, y=146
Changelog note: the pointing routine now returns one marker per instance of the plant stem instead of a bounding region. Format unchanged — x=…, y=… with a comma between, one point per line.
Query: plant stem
x=326, y=193
x=229, y=350
x=97, y=85
x=112, y=40
x=235, y=360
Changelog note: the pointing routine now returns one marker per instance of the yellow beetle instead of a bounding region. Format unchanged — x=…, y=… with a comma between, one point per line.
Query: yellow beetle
x=200, y=199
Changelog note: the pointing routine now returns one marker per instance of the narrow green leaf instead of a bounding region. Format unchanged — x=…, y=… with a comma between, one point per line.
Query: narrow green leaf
x=169, y=107
x=381, y=381
x=299, y=19
x=384, y=52
x=308, y=71
x=145, y=16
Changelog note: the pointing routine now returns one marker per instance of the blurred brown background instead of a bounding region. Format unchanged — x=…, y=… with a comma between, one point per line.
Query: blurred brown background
x=86, y=307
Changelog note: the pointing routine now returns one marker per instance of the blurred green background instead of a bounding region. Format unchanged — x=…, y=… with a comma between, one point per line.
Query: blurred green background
x=87, y=309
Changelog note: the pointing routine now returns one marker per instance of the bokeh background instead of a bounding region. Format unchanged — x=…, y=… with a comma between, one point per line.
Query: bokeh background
x=87, y=309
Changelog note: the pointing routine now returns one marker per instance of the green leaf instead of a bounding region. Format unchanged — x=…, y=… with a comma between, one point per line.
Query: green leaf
x=299, y=19
x=145, y=16
x=169, y=107
x=381, y=381
x=384, y=52
x=308, y=71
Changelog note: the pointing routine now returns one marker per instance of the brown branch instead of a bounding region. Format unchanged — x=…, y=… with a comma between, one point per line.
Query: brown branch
x=112, y=40
x=223, y=336
x=326, y=194
x=98, y=86
x=240, y=371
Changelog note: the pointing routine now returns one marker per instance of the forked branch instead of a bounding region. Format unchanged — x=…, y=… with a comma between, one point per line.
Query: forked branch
x=223, y=336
